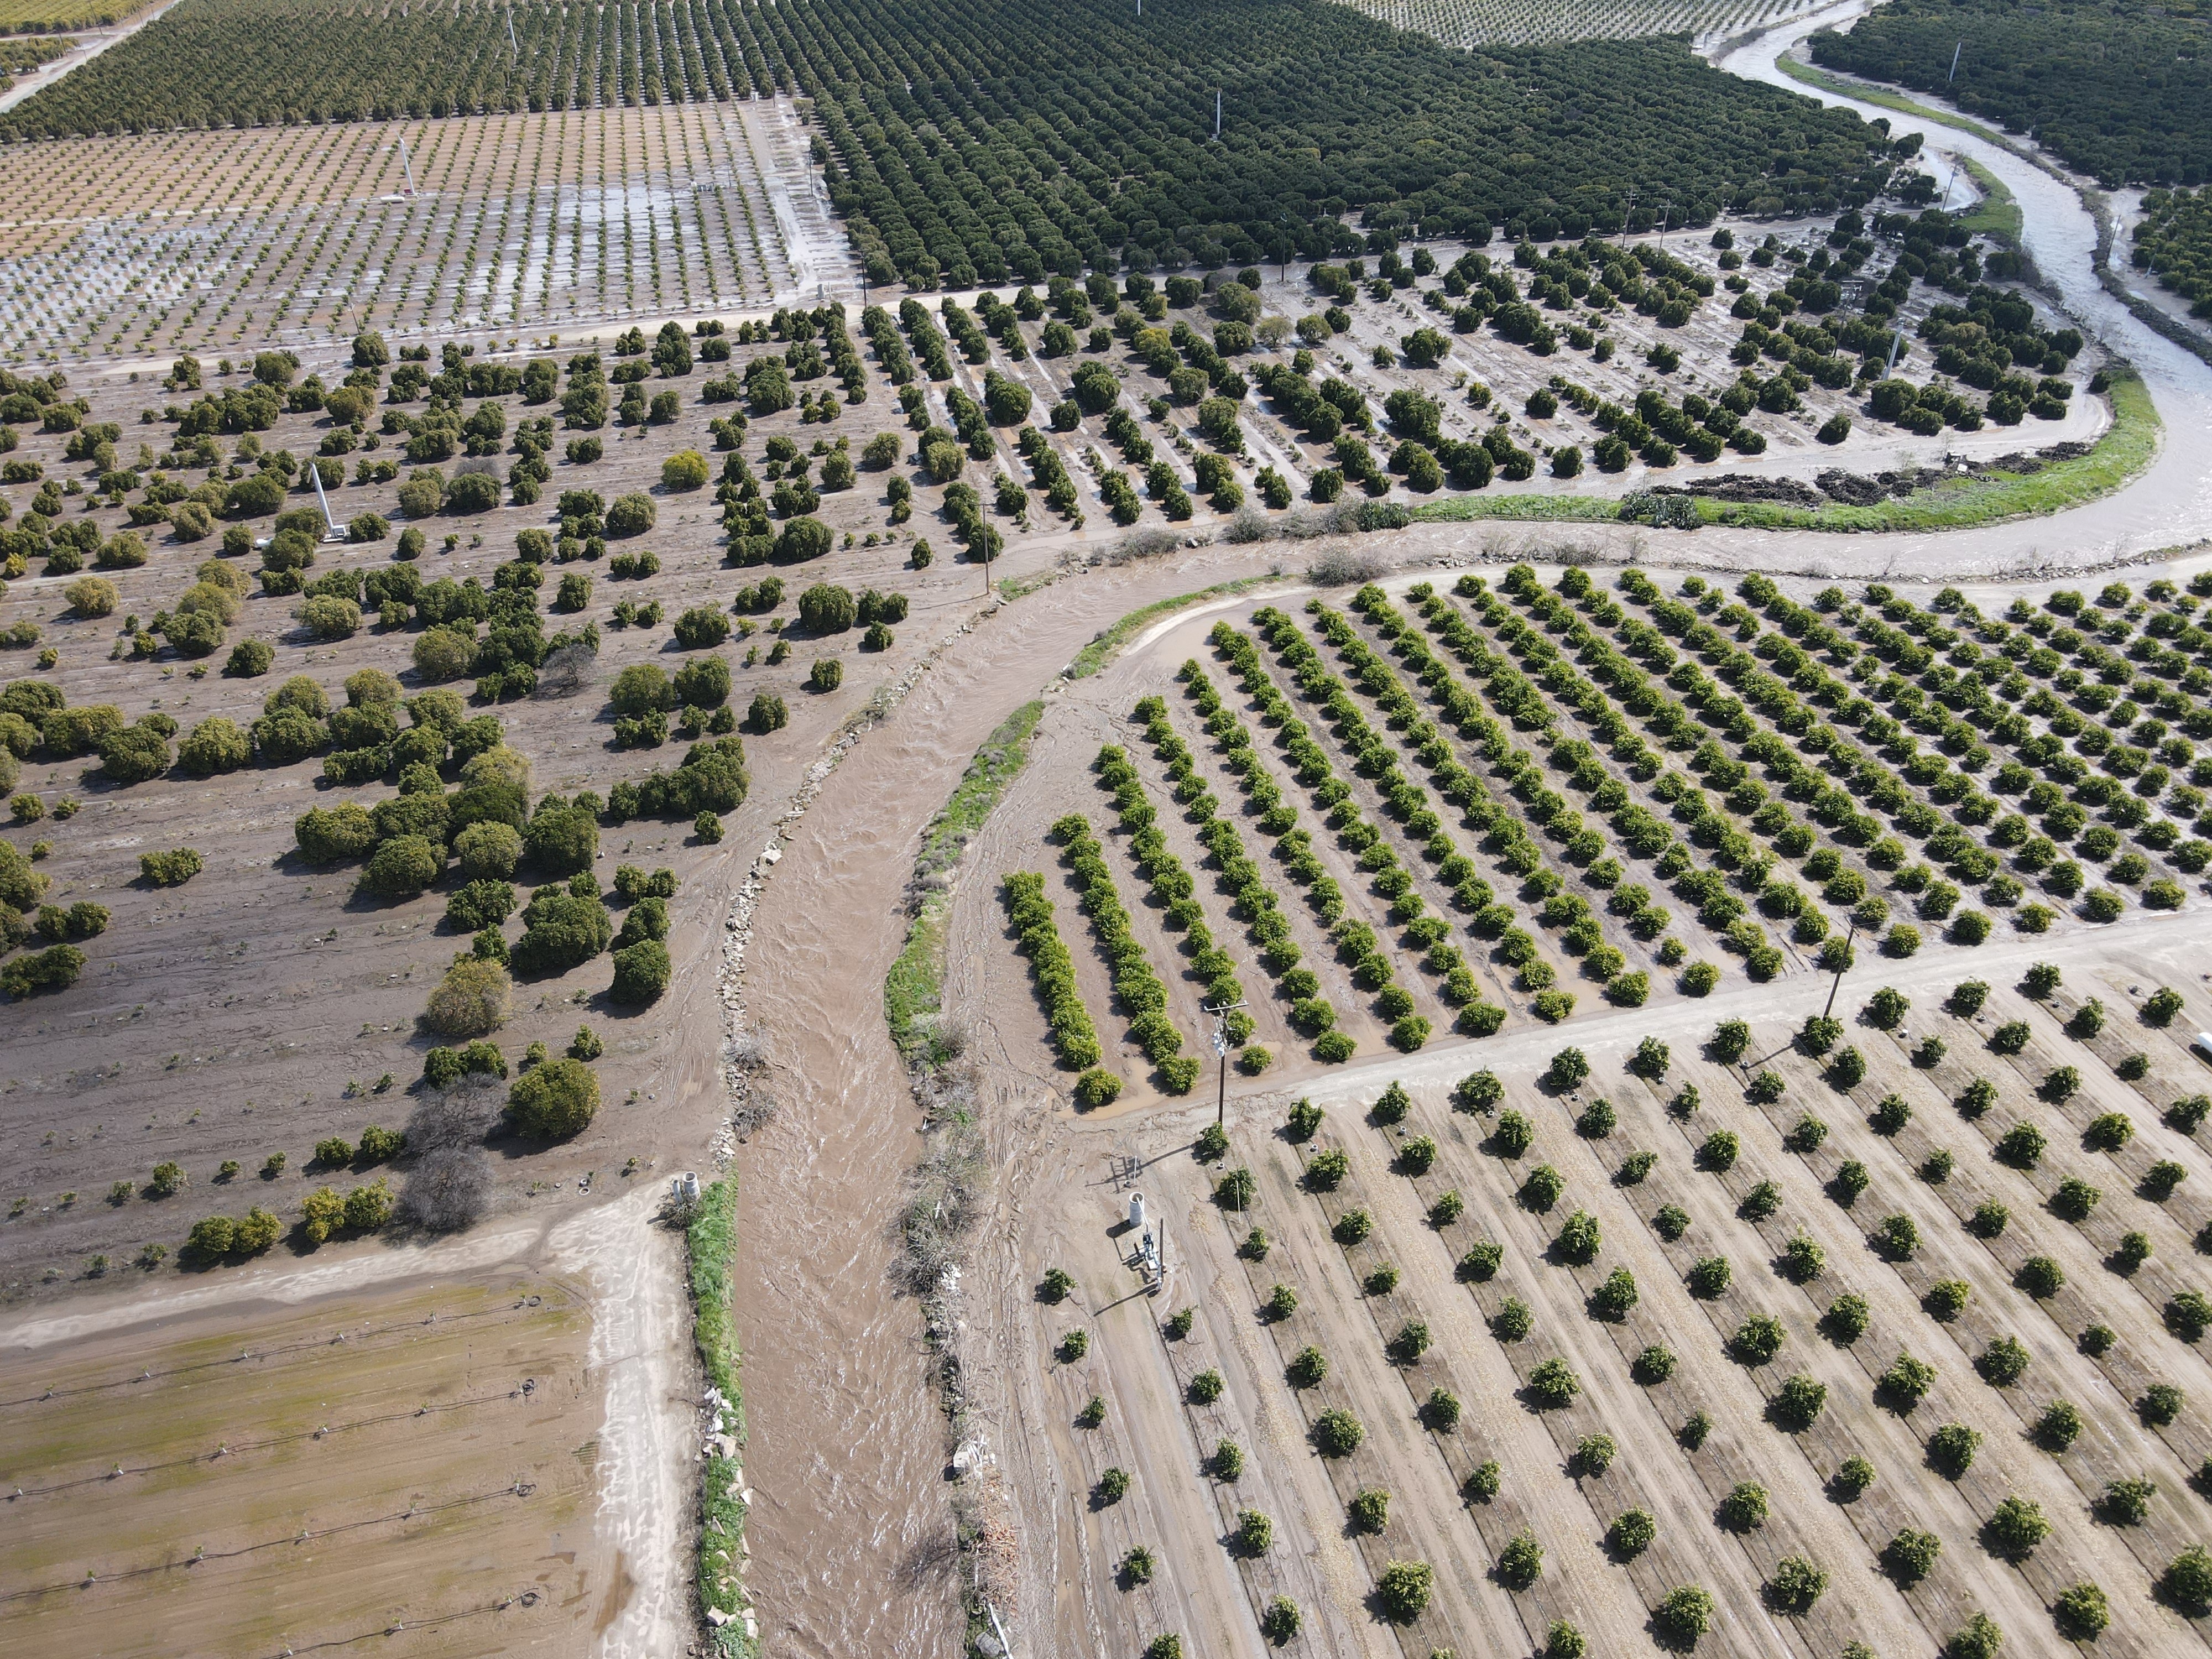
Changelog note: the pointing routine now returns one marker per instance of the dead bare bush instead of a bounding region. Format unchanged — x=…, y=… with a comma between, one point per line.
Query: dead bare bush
x=754, y=1111
x=1251, y=525
x=746, y=1050
x=567, y=670
x=1147, y=544
x=460, y=1116
x=943, y=1190
x=449, y=1182
x=447, y=1190
x=1346, y=567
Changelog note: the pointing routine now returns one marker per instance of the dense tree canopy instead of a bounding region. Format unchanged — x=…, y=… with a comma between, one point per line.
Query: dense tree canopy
x=2119, y=92
x=1011, y=138
x=2175, y=244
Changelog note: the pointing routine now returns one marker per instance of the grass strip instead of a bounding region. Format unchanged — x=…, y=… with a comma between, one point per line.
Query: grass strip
x=1108, y=644
x=1599, y=509
x=1998, y=216
x=2124, y=450
x=709, y=1240
x=1866, y=93
x=913, y=989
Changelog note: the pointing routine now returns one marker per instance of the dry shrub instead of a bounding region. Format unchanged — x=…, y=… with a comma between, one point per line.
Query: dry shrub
x=1150, y=542
x=449, y=1184
x=746, y=1050
x=473, y=1000
x=1251, y=525
x=567, y=670
x=943, y=1190
x=1346, y=567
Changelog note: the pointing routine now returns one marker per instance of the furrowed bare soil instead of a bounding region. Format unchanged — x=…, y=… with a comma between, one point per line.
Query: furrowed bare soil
x=413, y=1462
x=1371, y=1251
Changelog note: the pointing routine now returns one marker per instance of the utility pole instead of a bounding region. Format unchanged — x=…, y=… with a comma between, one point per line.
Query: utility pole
x=1953, y=75
x=1837, y=984
x=1221, y=1056
x=330, y=523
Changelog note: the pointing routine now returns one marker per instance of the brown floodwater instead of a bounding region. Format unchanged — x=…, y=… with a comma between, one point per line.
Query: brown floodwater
x=850, y=1532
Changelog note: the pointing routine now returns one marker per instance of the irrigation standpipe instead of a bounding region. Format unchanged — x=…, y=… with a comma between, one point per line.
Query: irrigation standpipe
x=331, y=532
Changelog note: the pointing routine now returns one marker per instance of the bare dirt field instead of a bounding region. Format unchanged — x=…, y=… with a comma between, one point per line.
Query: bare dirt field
x=1397, y=1239
x=415, y=1462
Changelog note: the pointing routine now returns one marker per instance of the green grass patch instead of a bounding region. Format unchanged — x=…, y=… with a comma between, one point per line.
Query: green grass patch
x=710, y=1238
x=913, y=989
x=1883, y=98
x=710, y=1242
x=1108, y=645
x=1998, y=216
x=1562, y=510
x=1956, y=504
x=1020, y=587
x=1003, y=754
x=2124, y=450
